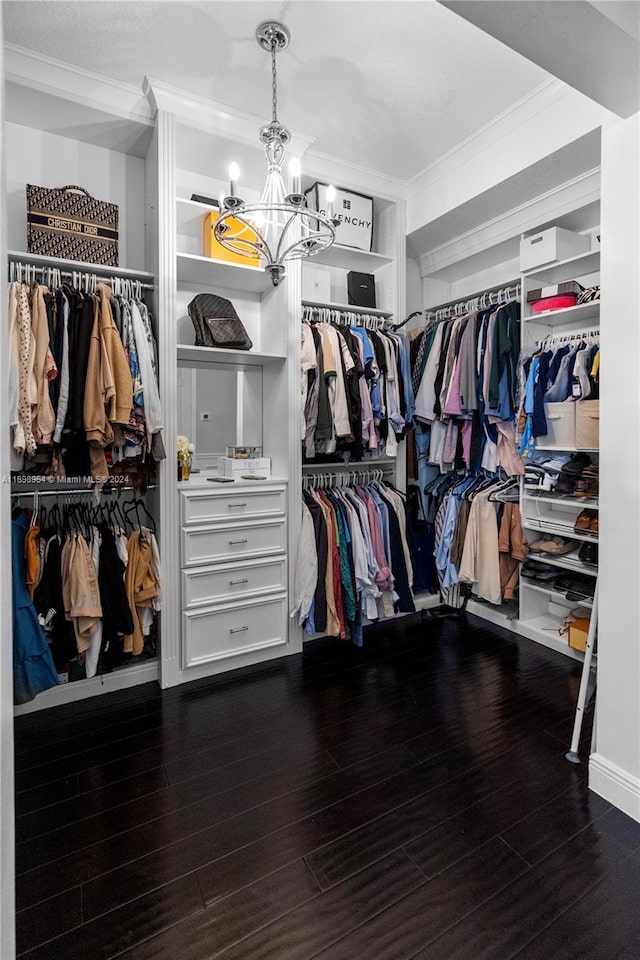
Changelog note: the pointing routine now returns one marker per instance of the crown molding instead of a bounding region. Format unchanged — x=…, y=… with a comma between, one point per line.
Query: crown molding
x=531, y=102
x=27, y=68
x=568, y=196
x=355, y=175
x=212, y=116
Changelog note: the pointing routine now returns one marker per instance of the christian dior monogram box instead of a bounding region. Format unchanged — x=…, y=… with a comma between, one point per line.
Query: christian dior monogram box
x=70, y=224
x=353, y=210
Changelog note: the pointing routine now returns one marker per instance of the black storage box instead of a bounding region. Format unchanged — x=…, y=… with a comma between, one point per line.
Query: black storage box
x=361, y=289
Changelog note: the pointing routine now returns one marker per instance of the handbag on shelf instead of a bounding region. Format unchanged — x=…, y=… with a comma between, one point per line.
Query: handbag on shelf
x=70, y=224
x=216, y=323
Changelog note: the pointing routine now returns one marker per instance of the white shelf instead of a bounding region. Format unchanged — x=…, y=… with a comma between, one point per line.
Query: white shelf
x=568, y=449
x=207, y=272
x=350, y=258
x=580, y=266
x=57, y=263
x=563, y=499
x=191, y=354
x=553, y=594
x=127, y=676
x=352, y=465
x=544, y=630
x=189, y=214
x=583, y=313
x=570, y=561
x=349, y=308
x=561, y=529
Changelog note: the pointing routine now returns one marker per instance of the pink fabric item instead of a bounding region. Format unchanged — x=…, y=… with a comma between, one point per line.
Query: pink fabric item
x=384, y=578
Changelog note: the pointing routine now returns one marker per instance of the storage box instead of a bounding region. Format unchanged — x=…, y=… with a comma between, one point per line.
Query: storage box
x=236, y=469
x=316, y=284
x=550, y=246
x=211, y=247
x=587, y=424
x=353, y=210
x=555, y=290
x=578, y=631
x=69, y=224
x=361, y=289
x=561, y=426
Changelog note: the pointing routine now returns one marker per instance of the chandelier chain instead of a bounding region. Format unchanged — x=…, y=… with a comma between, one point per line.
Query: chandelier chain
x=274, y=82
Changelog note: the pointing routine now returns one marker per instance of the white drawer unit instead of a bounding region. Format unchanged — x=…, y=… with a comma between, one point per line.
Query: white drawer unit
x=223, y=633
x=231, y=541
x=228, y=581
x=210, y=505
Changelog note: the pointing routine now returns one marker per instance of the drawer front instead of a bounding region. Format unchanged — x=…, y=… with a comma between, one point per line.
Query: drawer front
x=211, y=634
x=255, y=538
x=204, y=506
x=225, y=582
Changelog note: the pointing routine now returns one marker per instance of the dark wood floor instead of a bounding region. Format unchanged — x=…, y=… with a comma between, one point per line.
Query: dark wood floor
x=410, y=800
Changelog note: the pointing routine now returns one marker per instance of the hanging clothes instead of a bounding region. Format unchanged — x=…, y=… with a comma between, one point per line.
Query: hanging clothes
x=356, y=391
x=354, y=560
x=466, y=371
x=83, y=388
x=33, y=666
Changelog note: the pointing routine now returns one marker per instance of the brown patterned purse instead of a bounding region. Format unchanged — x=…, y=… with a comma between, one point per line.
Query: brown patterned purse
x=69, y=224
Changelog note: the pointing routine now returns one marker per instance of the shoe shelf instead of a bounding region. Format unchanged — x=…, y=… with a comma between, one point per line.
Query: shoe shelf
x=565, y=499
x=544, y=630
x=554, y=594
x=570, y=561
x=560, y=529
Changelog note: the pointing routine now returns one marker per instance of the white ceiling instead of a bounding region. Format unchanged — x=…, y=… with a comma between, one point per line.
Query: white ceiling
x=389, y=85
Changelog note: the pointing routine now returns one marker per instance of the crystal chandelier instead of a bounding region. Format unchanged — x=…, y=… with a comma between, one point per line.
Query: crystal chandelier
x=279, y=227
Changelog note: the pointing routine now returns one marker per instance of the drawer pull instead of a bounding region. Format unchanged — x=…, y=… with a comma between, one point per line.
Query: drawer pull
x=238, y=629
x=232, y=542
x=232, y=583
x=230, y=505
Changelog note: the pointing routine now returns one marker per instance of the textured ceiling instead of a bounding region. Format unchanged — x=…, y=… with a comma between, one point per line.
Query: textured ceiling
x=387, y=85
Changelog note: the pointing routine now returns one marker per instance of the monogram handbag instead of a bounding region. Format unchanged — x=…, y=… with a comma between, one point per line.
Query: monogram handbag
x=68, y=223
x=216, y=323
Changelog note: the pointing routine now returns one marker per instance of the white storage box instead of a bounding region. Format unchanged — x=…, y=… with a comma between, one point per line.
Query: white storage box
x=561, y=426
x=587, y=424
x=316, y=284
x=236, y=469
x=550, y=246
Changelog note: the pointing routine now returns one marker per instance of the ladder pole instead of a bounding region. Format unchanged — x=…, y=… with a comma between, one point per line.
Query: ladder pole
x=572, y=755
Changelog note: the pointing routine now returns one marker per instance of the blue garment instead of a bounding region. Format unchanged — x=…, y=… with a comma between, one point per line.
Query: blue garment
x=561, y=388
x=33, y=667
x=526, y=447
x=405, y=370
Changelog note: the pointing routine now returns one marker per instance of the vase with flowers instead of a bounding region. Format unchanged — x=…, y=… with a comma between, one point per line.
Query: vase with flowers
x=185, y=457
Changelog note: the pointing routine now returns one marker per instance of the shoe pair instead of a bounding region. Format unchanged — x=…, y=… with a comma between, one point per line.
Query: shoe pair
x=586, y=522
x=588, y=553
x=555, y=546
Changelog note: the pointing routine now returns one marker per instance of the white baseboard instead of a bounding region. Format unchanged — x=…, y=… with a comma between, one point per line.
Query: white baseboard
x=616, y=785
x=82, y=689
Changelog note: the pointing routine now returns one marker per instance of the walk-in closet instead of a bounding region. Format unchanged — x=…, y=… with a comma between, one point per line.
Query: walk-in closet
x=319, y=523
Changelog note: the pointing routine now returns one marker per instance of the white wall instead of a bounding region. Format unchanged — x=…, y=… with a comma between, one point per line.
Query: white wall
x=615, y=767
x=7, y=886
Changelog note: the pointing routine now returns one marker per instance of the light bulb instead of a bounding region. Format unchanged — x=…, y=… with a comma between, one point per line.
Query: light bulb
x=331, y=196
x=294, y=170
x=234, y=176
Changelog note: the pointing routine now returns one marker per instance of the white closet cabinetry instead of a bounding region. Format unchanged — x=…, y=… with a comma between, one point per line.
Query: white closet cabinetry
x=234, y=574
x=63, y=129
x=543, y=608
x=228, y=564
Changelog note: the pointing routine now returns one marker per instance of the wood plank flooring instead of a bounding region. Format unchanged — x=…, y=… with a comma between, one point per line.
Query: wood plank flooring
x=406, y=801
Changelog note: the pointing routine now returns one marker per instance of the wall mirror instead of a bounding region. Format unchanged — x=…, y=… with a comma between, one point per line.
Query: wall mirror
x=219, y=405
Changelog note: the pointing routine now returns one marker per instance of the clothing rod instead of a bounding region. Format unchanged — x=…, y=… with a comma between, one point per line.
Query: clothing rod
x=482, y=299
x=36, y=491
x=112, y=280
x=591, y=333
x=77, y=266
x=344, y=315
